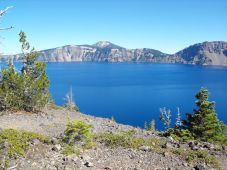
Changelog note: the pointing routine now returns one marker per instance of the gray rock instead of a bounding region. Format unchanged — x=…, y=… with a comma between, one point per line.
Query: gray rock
x=54, y=141
x=35, y=141
x=166, y=154
x=167, y=145
x=185, y=164
x=223, y=147
x=200, y=167
x=50, y=167
x=88, y=164
x=195, y=148
x=191, y=143
x=170, y=139
x=13, y=167
x=209, y=146
x=145, y=148
x=86, y=158
x=56, y=147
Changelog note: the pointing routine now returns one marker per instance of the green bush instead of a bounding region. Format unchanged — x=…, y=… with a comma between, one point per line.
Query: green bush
x=182, y=135
x=11, y=85
x=17, y=144
x=78, y=132
x=129, y=140
x=69, y=149
x=27, y=89
x=200, y=156
x=125, y=140
x=18, y=141
x=151, y=126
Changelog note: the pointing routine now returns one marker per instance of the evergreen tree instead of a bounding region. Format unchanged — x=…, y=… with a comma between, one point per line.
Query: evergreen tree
x=26, y=90
x=203, y=124
x=11, y=87
x=36, y=94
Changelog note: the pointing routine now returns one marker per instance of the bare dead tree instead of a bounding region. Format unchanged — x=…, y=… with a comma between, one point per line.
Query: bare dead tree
x=165, y=117
x=2, y=14
x=178, y=119
x=70, y=104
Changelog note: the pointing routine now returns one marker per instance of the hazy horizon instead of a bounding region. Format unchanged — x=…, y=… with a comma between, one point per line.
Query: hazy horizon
x=159, y=24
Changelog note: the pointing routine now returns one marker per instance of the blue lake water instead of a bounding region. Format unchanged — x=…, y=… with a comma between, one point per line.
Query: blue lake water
x=133, y=93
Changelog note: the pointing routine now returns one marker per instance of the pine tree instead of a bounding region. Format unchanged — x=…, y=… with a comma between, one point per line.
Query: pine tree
x=36, y=94
x=26, y=90
x=11, y=87
x=203, y=123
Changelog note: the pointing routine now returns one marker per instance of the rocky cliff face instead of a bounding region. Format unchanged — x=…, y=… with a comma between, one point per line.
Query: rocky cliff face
x=207, y=53
x=99, y=52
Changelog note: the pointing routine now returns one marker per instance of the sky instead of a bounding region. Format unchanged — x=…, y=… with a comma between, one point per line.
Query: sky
x=165, y=25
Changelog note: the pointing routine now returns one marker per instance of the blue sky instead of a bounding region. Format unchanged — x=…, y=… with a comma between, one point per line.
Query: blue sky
x=166, y=25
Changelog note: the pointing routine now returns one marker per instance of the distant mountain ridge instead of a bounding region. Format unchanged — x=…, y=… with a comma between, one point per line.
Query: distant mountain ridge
x=206, y=53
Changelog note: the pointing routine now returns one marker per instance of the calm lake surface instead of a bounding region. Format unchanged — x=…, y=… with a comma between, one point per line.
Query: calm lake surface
x=133, y=93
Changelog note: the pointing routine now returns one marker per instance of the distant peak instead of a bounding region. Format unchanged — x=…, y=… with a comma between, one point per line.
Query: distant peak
x=103, y=44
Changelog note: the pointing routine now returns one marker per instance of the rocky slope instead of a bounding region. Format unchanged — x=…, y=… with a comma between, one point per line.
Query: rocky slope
x=49, y=156
x=207, y=53
x=99, y=52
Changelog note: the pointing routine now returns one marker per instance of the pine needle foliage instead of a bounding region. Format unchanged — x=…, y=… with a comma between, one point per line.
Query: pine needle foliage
x=27, y=89
x=204, y=124
x=78, y=132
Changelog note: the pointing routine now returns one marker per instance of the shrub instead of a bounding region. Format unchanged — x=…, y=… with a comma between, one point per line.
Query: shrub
x=200, y=156
x=125, y=140
x=78, y=132
x=152, y=126
x=11, y=87
x=27, y=89
x=182, y=135
x=17, y=144
x=113, y=119
x=145, y=125
x=69, y=150
x=18, y=141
